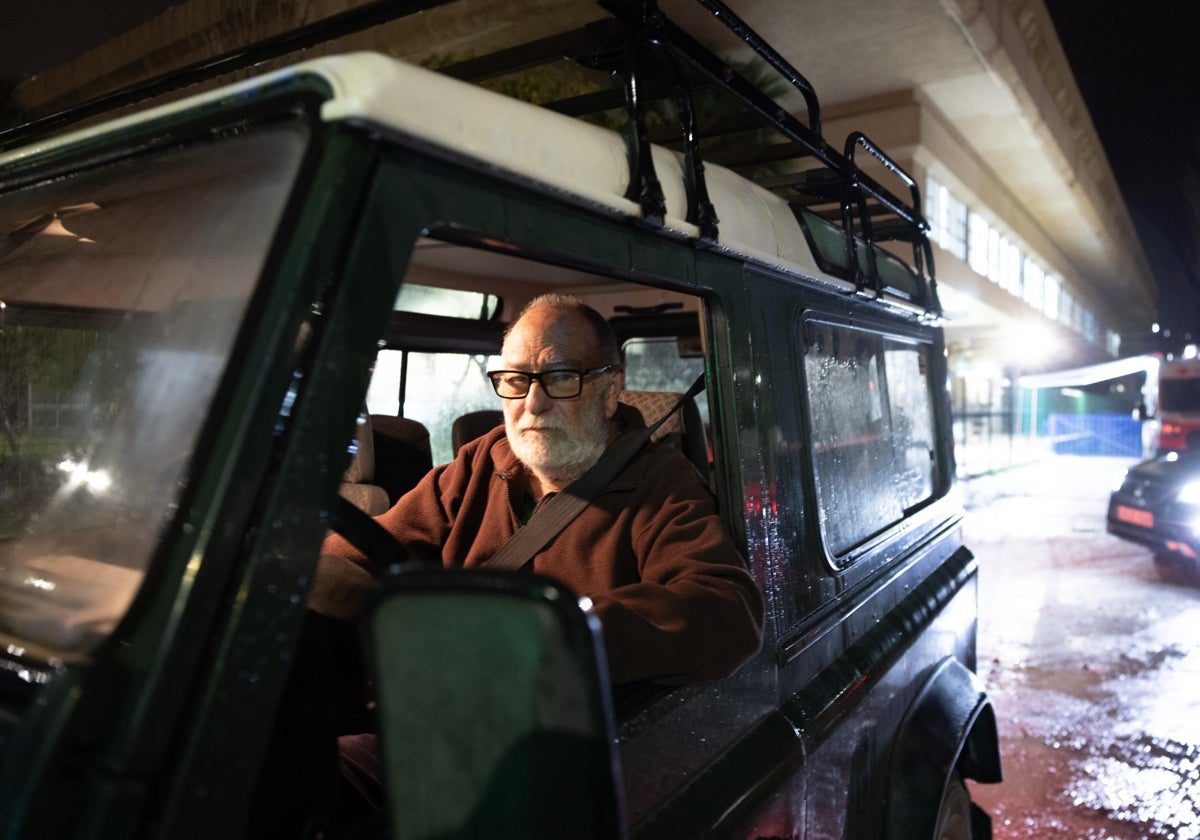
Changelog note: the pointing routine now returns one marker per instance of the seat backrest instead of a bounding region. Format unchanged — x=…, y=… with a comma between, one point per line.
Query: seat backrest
x=472, y=425
x=684, y=430
x=358, y=482
x=402, y=453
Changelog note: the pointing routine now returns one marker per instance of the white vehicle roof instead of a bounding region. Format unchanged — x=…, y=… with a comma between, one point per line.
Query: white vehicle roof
x=563, y=154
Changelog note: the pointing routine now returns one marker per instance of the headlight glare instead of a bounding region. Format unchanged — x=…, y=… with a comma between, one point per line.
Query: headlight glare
x=1189, y=494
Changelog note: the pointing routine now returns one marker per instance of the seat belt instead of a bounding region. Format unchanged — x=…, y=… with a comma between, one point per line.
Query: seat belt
x=557, y=512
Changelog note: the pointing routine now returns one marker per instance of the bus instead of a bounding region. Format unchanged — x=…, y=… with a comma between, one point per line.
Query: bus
x=1178, y=404
x=234, y=321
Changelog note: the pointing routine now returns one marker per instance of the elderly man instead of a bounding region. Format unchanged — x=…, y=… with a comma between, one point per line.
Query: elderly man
x=674, y=599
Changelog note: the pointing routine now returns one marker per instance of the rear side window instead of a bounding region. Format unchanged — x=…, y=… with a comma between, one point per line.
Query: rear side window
x=871, y=413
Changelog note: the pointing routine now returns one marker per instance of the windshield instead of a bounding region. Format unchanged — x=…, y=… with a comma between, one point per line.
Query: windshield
x=121, y=289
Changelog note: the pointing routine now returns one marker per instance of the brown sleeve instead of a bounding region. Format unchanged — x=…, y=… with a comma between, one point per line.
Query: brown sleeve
x=696, y=613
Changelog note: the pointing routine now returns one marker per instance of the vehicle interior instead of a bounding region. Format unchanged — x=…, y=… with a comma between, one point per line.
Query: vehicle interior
x=429, y=395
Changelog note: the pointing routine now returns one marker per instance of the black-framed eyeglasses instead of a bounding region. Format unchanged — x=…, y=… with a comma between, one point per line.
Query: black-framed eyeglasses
x=559, y=384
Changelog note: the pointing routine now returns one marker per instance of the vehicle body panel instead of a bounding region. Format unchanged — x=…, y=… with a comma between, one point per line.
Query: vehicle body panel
x=1154, y=507
x=1178, y=405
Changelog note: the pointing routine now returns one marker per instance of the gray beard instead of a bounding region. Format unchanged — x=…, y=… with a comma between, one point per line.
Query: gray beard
x=571, y=452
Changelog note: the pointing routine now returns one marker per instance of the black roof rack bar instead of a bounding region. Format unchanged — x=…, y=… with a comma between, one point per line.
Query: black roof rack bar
x=859, y=140
x=830, y=178
x=847, y=185
x=752, y=39
x=917, y=225
x=725, y=76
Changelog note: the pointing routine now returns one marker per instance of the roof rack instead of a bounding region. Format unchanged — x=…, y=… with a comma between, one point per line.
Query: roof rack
x=857, y=228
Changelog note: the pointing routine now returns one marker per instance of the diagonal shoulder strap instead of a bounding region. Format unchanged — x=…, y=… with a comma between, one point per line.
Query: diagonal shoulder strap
x=557, y=512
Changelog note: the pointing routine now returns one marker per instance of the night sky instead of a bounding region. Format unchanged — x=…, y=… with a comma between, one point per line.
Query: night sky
x=1140, y=81
x=1136, y=73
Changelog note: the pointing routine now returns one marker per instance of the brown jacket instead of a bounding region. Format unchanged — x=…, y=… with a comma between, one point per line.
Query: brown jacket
x=674, y=599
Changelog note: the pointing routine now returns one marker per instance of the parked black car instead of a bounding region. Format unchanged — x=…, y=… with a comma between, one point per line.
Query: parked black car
x=1158, y=505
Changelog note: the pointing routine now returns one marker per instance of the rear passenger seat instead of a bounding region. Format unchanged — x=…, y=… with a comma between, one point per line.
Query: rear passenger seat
x=402, y=453
x=473, y=424
x=358, y=482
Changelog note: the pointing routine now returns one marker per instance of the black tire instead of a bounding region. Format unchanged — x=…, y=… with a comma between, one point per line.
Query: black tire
x=1174, y=569
x=954, y=820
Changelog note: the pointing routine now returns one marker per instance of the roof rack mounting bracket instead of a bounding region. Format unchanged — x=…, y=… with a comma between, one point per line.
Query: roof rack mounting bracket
x=644, y=186
x=907, y=222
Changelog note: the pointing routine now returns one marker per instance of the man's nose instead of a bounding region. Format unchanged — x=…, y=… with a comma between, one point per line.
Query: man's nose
x=536, y=401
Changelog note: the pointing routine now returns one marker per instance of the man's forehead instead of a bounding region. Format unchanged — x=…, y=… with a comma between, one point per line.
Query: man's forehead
x=550, y=337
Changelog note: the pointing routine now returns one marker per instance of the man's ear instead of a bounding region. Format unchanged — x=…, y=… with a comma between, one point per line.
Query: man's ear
x=612, y=396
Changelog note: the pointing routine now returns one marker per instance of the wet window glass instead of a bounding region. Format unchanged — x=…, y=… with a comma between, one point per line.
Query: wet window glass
x=452, y=303
x=871, y=412
x=121, y=290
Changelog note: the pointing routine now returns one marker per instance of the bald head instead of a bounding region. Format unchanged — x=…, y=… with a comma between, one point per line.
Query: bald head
x=576, y=324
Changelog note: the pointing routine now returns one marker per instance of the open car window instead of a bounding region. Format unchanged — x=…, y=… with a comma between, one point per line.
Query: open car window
x=121, y=290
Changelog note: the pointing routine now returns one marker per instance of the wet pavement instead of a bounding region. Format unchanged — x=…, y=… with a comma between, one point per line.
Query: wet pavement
x=1092, y=659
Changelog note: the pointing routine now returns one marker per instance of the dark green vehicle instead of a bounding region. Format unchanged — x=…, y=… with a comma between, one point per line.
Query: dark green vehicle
x=196, y=304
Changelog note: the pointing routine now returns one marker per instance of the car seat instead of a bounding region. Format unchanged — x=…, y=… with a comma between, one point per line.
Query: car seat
x=684, y=430
x=402, y=453
x=472, y=425
x=358, y=482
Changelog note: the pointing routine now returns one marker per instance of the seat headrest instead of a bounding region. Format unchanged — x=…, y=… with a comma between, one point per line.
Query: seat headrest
x=403, y=454
x=472, y=425
x=362, y=455
x=684, y=429
x=358, y=486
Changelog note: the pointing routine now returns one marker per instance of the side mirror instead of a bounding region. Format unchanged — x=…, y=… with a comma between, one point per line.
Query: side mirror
x=495, y=715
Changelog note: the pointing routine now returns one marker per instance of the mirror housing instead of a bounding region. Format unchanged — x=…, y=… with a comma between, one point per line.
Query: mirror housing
x=494, y=708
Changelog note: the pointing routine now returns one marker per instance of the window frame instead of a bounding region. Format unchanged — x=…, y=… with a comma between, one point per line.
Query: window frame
x=857, y=554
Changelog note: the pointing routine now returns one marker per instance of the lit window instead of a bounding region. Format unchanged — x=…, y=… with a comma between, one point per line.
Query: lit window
x=1012, y=270
x=1051, y=299
x=1034, y=284
x=977, y=244
x=1066, y=307
x=995, y=250
x=1089, y=325
x=947, y=217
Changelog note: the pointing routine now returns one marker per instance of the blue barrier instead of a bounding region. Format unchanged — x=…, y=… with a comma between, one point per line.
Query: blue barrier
x=1094, y=434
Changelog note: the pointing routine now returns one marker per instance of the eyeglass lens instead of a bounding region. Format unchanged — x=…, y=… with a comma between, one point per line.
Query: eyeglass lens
x=559, y=384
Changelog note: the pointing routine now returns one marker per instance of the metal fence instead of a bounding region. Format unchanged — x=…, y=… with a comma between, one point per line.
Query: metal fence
x=1094, y=434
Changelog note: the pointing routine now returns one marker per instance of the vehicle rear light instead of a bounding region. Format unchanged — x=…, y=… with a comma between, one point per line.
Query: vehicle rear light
x=1182, y=548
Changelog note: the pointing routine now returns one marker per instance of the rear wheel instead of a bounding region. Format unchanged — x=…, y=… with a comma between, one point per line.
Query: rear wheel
x=954, y=815
x=1175, y=569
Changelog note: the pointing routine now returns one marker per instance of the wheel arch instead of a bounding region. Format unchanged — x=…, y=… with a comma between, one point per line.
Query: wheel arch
x=950, y=727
